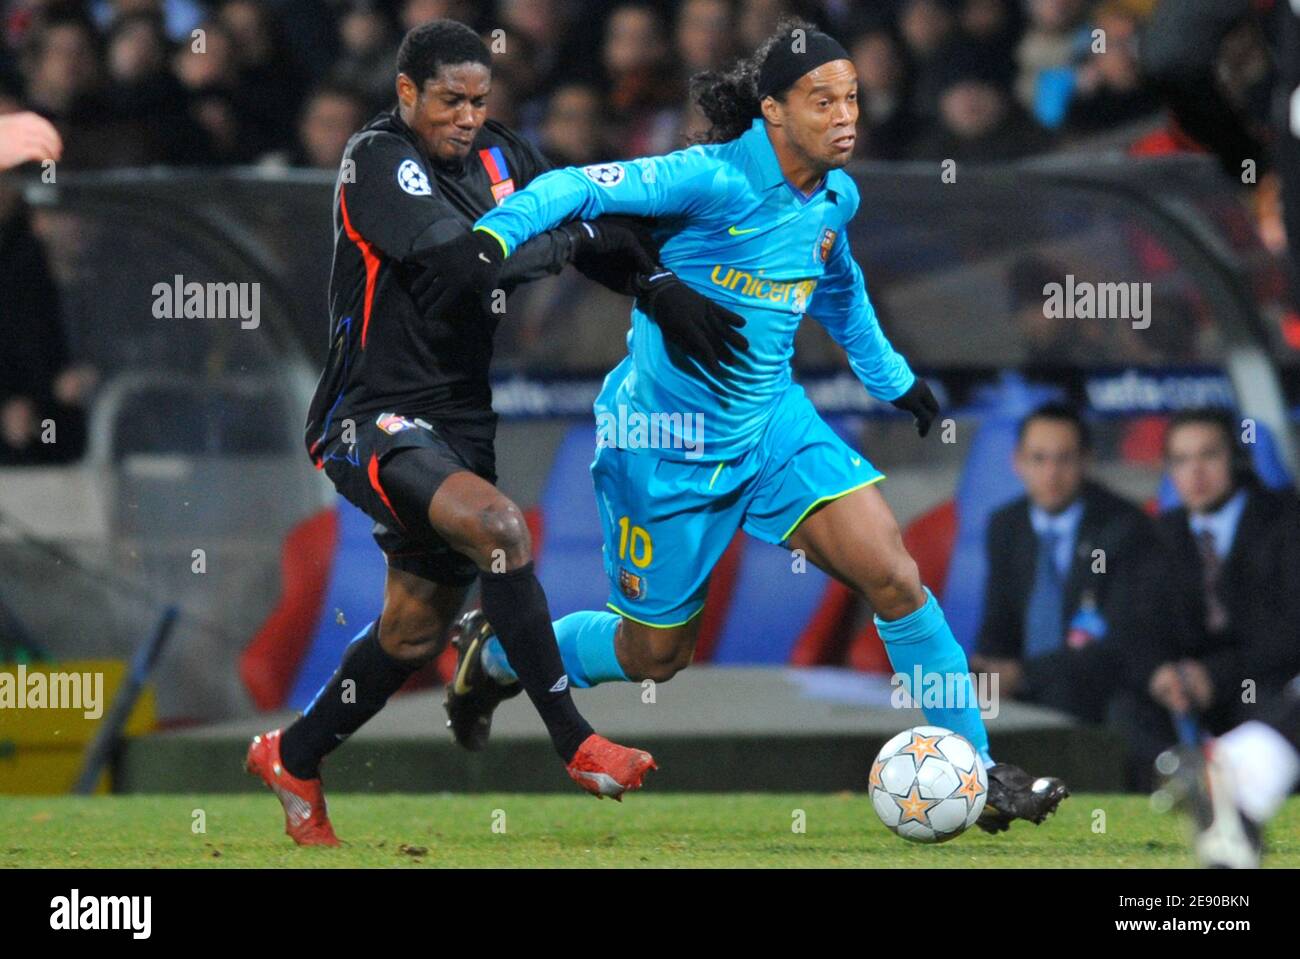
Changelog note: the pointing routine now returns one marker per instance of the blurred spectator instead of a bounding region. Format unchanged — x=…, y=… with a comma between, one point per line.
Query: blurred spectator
x=553, y=49
x=37, y=381
x=207, y=61
x=268, y=88
x=65, y=80
x=643, y=87
x=993, y=27
x=515, y=78
x=883, y=122
x=978, y=119
x=368, y=51
x=757, y=20
x=704, y=37
x=331, y=114
x=177, y=17
x=573, y=133
x=927, y=27
x=1224, y=623
x=208, y=70
x=147, y=95
x=416, y=12
x=1108, y=89
x=1054, y=41
x=1056, y=624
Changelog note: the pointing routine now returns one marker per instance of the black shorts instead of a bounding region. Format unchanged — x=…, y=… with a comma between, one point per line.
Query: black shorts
x=392, y=471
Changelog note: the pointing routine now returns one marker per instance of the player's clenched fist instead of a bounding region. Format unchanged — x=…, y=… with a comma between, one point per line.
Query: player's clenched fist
x=457, y=272
x=25, y=137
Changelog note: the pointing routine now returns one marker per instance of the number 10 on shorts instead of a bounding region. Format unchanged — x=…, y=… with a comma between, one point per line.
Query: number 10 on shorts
x=640, y=548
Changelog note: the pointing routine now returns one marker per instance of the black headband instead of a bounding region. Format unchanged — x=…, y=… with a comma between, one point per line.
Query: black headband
x=793, y=56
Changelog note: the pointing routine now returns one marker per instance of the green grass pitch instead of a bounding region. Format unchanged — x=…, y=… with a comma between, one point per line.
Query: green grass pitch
x=647, y=830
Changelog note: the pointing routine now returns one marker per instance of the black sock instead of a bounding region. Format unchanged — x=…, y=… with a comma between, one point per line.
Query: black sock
x=516, y=607
x=339, y=710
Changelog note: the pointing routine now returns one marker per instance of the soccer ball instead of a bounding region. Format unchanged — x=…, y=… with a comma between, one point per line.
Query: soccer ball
x=928, y=784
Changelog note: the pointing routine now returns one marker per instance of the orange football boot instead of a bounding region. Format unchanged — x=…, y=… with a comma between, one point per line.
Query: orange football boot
x=608, y=769
x=306, y=820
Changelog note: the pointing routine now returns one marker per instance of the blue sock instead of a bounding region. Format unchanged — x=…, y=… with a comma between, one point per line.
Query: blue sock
x=922, y=639
x=586, y=641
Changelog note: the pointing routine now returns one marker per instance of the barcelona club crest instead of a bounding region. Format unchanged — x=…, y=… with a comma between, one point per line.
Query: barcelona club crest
x=825, y=243
x=632, y=585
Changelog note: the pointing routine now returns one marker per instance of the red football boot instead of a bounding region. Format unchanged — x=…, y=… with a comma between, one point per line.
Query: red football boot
x=306, y=820
x=608, y=769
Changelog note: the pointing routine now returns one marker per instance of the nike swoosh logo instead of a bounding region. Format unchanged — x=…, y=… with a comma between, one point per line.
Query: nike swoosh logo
x=461, y=687
x=483, y=257
x=734, y=232
x=855, y=461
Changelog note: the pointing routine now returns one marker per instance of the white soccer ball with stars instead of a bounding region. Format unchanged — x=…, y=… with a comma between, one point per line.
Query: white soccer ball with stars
x=928, y=784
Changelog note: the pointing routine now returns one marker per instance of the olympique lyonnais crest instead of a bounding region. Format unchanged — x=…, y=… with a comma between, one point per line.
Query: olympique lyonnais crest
x=391, y=423
x=824, y=245
x=632, y=585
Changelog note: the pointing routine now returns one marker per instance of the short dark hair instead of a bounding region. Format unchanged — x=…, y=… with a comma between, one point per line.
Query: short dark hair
x=1061, y=413
x=1228, y=424
x=430, y=46
x=1219, y=417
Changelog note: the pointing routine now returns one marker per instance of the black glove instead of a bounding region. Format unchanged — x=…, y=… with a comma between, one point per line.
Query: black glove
x=920, y=402
x=456, y=273
x=613, y=250
x=610, y=235
x=693, y=323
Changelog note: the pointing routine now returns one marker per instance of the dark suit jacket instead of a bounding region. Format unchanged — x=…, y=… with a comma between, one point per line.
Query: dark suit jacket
x=1259, y=584
x=1079, y=681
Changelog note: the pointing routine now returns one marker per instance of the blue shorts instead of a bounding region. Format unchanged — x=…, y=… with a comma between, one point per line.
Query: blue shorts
x=666, y=522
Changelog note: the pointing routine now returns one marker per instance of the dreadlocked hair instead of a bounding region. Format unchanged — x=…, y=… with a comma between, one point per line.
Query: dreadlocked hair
x=729, y=98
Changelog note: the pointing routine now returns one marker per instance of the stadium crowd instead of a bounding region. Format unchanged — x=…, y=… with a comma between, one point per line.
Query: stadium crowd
x=182, y=82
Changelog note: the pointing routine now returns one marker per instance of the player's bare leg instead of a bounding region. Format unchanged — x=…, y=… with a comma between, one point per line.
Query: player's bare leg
x=856, y=539
x=479, y=522
x=653, y=652
x=411, y=631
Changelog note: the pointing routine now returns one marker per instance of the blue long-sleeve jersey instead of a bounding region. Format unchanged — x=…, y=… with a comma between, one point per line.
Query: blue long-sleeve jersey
x=734, y=229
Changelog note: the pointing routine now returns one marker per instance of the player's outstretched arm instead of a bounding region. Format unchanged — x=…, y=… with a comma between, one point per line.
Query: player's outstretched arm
x=472, y=263
x=684, y=183
x=841, y=304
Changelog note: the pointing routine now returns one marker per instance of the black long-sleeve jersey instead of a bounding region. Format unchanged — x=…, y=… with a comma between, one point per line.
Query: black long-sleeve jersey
x=391, y=203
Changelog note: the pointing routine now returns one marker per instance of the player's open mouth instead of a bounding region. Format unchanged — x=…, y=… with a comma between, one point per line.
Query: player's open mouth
x=845, y=142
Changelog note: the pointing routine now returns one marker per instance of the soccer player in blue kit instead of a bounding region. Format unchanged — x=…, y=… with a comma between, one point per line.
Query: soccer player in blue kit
x=755, y=219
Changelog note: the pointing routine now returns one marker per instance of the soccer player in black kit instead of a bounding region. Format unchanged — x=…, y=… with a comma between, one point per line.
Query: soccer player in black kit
x=402, y=420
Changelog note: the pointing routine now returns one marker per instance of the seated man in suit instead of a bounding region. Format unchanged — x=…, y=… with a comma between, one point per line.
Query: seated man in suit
x=1065, y=568
x=1223, y=637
